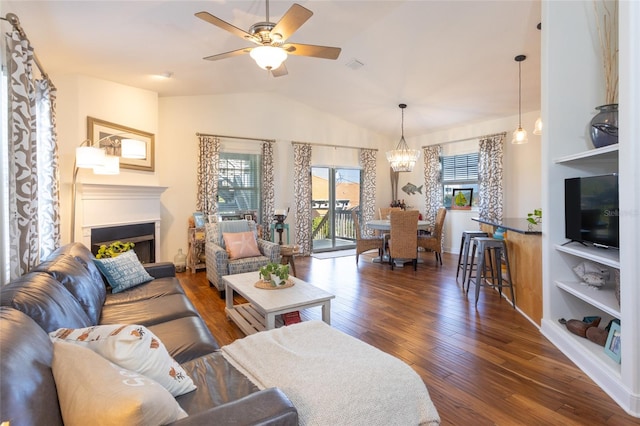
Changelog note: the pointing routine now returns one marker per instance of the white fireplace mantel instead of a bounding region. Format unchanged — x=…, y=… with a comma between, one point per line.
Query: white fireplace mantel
x=101, y=206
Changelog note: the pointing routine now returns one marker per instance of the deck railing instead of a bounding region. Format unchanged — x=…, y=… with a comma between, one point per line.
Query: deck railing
x=343, y=226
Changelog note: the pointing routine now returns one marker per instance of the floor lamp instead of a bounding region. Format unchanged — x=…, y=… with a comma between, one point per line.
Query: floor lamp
x=89, y=156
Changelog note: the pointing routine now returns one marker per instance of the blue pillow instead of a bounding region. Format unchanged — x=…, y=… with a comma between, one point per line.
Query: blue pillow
x=123, y=271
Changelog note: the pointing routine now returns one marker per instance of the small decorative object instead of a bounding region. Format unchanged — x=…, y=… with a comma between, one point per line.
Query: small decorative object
x=590, y=274
x=612, y=346
x=180, y=261
x=535, y=218
x=579, y=328
x=113, y=249
x=604, y=126
x=461, y=199
x=616, y=274
x=275, y=275
x=411, y=189
x=279, y=217
x=499, y=233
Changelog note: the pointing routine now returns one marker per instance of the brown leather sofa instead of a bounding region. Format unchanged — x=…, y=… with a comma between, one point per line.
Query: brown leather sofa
x=67, y=290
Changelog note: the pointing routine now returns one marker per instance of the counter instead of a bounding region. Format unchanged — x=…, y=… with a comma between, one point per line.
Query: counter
x=524, y=245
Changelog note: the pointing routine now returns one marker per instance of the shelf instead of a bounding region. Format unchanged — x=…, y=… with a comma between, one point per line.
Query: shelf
x=582, y=351
x=606, y=153
x=603, y=299
x=608, y=257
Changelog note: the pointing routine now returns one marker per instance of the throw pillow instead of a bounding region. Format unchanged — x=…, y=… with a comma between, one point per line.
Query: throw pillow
x=133, y=347
x=124, y=271
x=241, y=244
x=91, y=390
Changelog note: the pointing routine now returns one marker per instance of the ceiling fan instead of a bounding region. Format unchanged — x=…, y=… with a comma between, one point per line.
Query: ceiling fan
x=272, y=49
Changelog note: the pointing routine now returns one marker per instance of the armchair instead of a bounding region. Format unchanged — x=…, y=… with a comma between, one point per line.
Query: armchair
x=217, y=258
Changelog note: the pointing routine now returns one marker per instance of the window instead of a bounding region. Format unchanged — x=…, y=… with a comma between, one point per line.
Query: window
x=460, y=171
x=239, y=185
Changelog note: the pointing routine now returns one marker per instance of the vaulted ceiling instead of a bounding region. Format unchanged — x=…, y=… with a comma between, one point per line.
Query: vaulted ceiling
x=451, y=61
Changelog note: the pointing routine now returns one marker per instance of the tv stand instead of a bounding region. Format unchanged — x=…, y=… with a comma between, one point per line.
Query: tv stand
x=575, y=241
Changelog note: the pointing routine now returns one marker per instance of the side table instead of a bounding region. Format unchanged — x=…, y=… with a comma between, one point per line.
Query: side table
x=288, y=254
x=196, y=249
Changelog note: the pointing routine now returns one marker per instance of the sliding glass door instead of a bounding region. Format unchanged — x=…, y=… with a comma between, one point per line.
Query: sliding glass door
x=334, y=192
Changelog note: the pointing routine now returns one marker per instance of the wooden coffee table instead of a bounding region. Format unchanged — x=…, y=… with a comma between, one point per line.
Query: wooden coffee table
x=264, y=304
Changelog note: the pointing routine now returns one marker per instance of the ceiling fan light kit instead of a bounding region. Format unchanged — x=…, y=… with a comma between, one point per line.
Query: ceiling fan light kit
x=519, y=135
x=403, y=159
x=270, y=38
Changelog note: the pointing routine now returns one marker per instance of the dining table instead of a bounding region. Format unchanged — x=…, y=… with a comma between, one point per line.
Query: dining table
x=385, y=225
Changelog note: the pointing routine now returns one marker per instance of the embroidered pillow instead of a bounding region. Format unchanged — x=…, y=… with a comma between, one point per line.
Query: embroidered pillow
x=92, y=390
x=241, y=244
x=124, y=271
x=133, y=347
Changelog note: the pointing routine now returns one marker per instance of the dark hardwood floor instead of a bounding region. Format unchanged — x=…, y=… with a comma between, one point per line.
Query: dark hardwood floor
x=482, y=366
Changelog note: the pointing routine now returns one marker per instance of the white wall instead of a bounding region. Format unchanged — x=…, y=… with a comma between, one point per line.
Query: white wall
x=522, y=176
x=82, y=96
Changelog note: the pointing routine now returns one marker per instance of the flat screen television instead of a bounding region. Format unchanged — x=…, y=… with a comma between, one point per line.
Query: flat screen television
x=592, y=211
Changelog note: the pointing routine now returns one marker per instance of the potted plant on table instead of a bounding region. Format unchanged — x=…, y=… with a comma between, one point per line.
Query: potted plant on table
x=275, y=273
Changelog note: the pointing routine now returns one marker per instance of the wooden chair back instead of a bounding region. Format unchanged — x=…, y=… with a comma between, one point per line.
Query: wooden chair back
x=403, y=242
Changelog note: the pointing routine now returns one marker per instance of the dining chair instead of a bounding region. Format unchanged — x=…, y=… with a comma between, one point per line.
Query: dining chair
x=403, y=241
x=433, y=241
x=383, y=213
x=364, y=244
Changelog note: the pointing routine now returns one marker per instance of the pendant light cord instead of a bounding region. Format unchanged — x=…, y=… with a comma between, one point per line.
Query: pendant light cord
x=520, y=94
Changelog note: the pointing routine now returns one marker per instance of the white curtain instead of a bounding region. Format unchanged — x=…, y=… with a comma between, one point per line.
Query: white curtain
x=33, y=197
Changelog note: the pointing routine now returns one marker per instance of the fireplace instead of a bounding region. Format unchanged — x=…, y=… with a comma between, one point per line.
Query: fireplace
x=107, y=213
x=142, y=235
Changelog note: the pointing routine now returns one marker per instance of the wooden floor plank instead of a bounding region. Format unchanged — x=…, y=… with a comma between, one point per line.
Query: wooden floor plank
x=483, y=366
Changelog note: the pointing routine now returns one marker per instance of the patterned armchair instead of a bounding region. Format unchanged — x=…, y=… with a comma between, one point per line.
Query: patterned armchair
x=218, y=262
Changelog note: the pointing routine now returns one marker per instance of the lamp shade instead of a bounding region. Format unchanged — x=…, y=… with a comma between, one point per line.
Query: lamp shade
x=268, y=57
x=519, y=136
x=111, y=166
x=537, y=128
x=133, y=148
x=89, y=157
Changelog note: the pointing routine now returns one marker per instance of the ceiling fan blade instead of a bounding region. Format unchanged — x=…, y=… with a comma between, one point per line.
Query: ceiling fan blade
x=206, y=16
x=291, y=21
x=324, y=52
x=280, y=71
x=228, y=54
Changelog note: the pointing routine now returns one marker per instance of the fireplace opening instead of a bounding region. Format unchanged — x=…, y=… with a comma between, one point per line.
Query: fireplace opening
x=142, y=235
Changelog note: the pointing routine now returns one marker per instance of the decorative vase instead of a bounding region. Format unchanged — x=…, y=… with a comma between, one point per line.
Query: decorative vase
x=180, y=261
x=604, y=126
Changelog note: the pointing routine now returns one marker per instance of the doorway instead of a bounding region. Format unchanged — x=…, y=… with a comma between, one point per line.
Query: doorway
x=334, y=193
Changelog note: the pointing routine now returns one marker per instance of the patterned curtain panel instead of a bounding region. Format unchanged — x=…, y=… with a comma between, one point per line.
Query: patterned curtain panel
x=302, y=196
x=268, y=189
x=48, y=168
x=432, y=182
x=490, y=177
x=30, y=113
x=208, y=171
x=368, y=190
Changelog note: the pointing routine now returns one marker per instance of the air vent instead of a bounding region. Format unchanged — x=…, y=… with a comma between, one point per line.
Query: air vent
x=355, y=64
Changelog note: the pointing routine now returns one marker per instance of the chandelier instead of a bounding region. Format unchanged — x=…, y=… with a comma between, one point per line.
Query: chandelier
x=403, y=159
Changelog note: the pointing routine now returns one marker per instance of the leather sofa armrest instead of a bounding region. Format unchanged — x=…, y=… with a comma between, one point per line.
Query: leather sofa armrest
x=266, y=407
x=160, y=269
x=270, y=250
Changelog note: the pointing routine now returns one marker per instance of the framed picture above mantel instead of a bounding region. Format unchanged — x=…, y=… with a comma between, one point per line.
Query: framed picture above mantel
x=110, y=135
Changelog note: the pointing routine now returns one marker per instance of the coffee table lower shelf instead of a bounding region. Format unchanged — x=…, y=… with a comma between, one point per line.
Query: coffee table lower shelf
x=248, y=318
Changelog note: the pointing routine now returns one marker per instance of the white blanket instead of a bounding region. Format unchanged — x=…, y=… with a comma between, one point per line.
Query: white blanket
x=333, y=378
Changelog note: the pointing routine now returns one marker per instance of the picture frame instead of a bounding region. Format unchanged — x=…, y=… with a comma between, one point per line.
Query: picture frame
x=248, y=216
x=613, y=345
x=461, y=199
x=109, y=136
x=198, y=219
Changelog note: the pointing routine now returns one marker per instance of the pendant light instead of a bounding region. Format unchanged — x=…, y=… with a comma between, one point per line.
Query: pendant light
x=403, y=159
x=520, y=135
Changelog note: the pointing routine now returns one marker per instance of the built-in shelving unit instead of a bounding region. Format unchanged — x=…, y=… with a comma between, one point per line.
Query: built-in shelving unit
x=571, y=91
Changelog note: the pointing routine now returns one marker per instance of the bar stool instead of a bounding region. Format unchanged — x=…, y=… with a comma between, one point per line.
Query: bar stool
x=485, y=246
x=463, y=256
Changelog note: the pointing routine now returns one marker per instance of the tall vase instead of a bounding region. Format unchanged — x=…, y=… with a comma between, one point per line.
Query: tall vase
x=604, y=126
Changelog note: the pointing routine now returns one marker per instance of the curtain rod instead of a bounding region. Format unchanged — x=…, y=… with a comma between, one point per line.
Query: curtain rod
x=468, y=139
x=235, y=137
x=331, y=146
x=12, y=18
